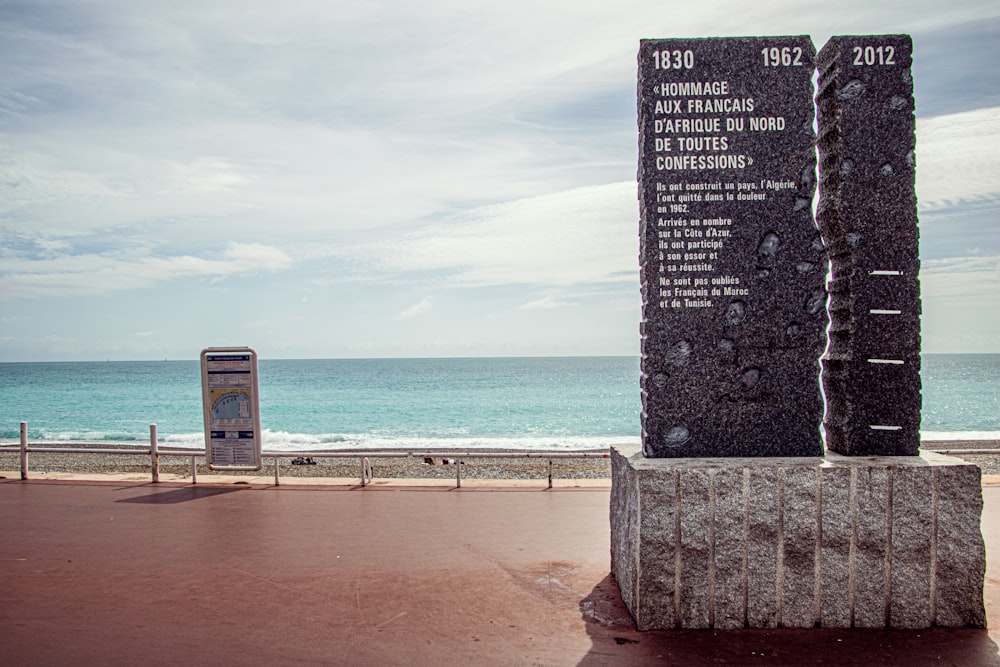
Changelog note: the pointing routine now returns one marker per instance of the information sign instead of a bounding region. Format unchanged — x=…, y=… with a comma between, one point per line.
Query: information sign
x=231, y=405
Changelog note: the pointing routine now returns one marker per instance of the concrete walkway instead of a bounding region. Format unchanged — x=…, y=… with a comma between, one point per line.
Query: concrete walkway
x=126, y=572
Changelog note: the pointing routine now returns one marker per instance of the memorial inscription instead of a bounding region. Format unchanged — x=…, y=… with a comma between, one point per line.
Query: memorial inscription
x=732, y=265
x=868, y=214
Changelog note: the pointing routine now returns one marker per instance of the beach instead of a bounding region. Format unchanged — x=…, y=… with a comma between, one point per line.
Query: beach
x=397, y=467
x=437, y=466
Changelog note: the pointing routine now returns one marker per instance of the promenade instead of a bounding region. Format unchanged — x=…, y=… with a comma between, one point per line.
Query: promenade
x=124, y=572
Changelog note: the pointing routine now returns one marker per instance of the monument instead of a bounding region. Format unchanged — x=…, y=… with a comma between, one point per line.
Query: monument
x=732, y=515
x=733, y=269
x=868, y=214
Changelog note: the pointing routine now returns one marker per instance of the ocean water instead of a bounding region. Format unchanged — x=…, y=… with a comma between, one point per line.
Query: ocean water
x=533, y=403
x=961, y=396
x=421, y=404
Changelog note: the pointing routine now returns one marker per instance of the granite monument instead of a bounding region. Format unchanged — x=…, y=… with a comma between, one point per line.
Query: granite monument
x=730, y=515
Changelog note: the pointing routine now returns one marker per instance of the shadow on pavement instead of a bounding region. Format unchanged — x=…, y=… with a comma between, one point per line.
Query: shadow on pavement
x=180, y=495
x=616, y=641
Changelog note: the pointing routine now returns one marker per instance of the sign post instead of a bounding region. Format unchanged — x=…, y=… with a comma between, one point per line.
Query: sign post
x=231, y=404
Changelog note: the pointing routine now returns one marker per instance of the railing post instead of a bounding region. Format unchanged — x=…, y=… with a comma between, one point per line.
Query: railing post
x=276, y=482
x=154, y=453
x=550, y=473
x=363, y=480
x=194, y=469
x=24, y=450
x=458, y=474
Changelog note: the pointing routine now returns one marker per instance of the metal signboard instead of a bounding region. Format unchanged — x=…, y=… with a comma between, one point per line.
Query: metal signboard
x=232, y=408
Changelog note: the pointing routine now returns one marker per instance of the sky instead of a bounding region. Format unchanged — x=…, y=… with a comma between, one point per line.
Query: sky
x=360, y=178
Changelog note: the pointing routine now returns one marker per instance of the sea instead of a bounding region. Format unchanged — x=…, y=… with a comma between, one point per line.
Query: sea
x=535, y=403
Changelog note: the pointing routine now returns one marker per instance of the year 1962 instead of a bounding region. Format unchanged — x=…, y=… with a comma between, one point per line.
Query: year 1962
x=786, y=56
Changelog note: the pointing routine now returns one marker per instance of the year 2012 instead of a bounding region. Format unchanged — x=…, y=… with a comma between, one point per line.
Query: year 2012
x=874, y=55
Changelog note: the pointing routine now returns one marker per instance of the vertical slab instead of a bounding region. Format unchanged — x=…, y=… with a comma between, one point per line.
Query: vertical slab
x=695, y=548
x=657, y=604
x=800, y=542
x=762, y=547
x=624, y=520
x=912, y=546
x=868, y=216
x=730, y=550
x=960, y=553
x=732, y=265
x=870, y=491
x=836, y=539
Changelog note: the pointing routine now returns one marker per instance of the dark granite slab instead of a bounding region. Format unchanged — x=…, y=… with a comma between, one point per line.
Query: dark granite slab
x=868, y=217
x=732, y=265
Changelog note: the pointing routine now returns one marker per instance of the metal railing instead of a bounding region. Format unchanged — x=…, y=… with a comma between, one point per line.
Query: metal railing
x=154, y=451
x=964, y=452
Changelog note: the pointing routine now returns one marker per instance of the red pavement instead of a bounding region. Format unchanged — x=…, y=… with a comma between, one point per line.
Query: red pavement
x=126, y=573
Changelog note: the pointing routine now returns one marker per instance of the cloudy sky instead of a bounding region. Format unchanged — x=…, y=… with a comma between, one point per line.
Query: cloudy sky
x=368, y=178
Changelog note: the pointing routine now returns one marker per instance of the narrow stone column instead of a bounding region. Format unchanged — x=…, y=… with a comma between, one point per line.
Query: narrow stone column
x=868, y=216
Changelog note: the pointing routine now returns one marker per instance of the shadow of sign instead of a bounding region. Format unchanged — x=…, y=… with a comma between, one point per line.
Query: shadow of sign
x=616, y=641
x=179, y=495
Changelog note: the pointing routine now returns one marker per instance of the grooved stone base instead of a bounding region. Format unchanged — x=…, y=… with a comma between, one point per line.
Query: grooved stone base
x=872, y=542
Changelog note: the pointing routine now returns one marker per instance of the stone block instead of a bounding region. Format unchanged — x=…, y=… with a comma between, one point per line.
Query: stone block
x=763, y=537
x=959, y=552
x=694, y=540
x=912, y=548
x=872, y=542
x=729, y=606
x=658, y=601
x=800, y=547
x=870, y=512
x=836, y=547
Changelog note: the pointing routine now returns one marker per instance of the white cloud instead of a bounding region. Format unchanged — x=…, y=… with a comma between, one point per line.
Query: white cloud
x=208, y=174
x=546, y=303
x=971, y=281
x=487, y=151
x=31, y=178
x=253, y=258
x=415, y=310
x=958, y=161
x=579, y=236
x=95, y=273
x=961, y=299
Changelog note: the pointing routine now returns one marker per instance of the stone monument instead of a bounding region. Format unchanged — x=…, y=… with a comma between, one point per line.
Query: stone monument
x=868, y=215
x=733, y=269
x=730, y=516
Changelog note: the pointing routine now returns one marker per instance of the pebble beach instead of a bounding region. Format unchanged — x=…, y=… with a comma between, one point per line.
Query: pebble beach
x=399, y=467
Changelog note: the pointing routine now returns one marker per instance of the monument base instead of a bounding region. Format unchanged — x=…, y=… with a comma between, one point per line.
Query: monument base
x=835, y=542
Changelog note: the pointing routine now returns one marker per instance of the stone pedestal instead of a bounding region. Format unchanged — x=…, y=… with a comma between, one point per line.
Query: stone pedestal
x=868, y=542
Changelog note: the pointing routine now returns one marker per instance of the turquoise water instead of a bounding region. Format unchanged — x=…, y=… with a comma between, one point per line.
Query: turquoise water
x=961, y=396
x=533, y=403
x=413, y=403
